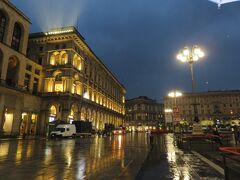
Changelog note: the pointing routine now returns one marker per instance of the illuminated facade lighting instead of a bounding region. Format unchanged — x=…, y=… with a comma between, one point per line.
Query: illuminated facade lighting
x=168, y=110
x=59, y=32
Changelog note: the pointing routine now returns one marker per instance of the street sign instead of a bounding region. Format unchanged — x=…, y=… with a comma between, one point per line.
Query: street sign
x=168, y=118
x=197, y=129
x=176, y=115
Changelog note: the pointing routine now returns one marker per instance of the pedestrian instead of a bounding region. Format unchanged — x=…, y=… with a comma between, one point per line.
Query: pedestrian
x=236, y=134
x=151, y=138
x=24, y=135
x=216, y=136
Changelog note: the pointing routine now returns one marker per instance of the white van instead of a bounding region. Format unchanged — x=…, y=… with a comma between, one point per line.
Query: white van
x=64, y=130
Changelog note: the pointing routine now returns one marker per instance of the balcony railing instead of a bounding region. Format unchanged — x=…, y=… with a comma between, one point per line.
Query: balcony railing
x=11, y=84
x=14, y=85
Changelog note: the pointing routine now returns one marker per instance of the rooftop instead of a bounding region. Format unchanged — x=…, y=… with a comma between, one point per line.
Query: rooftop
x=17, y=10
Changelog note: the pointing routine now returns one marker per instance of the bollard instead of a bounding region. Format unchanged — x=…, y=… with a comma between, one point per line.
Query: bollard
x=226, y=172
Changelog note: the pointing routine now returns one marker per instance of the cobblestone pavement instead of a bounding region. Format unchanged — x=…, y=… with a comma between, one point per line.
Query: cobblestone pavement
x=118, y=157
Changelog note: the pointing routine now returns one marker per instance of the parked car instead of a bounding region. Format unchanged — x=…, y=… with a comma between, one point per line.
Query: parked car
x=119, y=131
x=64, y=130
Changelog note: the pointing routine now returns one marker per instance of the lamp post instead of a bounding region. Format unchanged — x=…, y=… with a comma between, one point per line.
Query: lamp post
x=190, y=56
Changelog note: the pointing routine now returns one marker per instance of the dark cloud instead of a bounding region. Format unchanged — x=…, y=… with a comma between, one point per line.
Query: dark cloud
x=139, y=39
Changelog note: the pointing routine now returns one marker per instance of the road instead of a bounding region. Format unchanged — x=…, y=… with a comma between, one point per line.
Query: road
x=118, y=157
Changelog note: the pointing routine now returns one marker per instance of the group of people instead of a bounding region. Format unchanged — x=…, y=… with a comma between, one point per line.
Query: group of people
x=236, y=131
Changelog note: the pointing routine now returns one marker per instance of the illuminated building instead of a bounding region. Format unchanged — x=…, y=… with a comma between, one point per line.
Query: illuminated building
x=212, y=107
x=52, y=76
x=143, y=113
x=77, y=85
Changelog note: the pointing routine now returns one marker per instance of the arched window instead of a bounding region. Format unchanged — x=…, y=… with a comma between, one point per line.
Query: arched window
x=3, y=21
x=16, y=38
x=64, y=57
x=53, y=110
x=12, y=71
x=58, y=83
x=52, y=59
x=52, y=113
x=57, y=59
x=77, y=62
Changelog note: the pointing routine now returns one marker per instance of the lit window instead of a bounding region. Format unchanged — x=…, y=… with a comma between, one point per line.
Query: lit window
x=58, y=86
x=74, y=88
x=77, y=62
x=52, y=60
x=64, y=58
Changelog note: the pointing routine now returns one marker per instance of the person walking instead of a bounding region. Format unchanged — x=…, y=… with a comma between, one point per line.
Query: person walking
x=236, y=134
x=151, y=139
x=217, y=138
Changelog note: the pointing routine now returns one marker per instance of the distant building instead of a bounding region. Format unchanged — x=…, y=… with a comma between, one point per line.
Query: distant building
x=216, y=106
x=52, y=76
x=143, y=113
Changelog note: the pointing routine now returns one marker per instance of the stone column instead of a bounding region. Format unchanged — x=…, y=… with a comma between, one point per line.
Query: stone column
x=42, y=122
x=17, y=116
x=29, y=123
x=65, y=115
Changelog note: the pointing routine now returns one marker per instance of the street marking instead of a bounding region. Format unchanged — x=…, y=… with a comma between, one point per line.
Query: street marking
x=210, y=163
x=124, y=169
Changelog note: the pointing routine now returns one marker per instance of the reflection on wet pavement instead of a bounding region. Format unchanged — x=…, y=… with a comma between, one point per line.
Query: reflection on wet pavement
x=166, y=161
x=95, y=158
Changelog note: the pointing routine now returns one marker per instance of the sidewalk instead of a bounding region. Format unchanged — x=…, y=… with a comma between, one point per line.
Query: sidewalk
x=21, y=138
x=166, y=161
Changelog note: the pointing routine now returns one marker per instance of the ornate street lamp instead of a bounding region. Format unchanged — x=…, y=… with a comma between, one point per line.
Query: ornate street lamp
x=175, y=94
x=191, y=55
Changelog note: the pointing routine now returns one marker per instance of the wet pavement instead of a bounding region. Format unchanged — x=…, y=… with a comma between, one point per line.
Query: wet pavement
x=118, y=157
x=167, y=161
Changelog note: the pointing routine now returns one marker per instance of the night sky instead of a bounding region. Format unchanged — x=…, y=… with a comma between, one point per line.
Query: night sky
x=139, y=39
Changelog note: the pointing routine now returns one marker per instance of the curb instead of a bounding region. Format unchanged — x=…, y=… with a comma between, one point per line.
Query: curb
x=139, y=174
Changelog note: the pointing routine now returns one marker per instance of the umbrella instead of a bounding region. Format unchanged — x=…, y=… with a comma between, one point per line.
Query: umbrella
x=220, y=2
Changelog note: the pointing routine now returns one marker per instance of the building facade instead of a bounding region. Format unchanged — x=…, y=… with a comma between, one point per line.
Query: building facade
x=143, y=113
x=214, y=106
x=19, y=103
x=52, y=76
x=76, y=85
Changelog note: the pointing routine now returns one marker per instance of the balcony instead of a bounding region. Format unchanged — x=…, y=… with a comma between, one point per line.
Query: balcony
x=53, y=94
x=11, y=84
x=14, y=85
